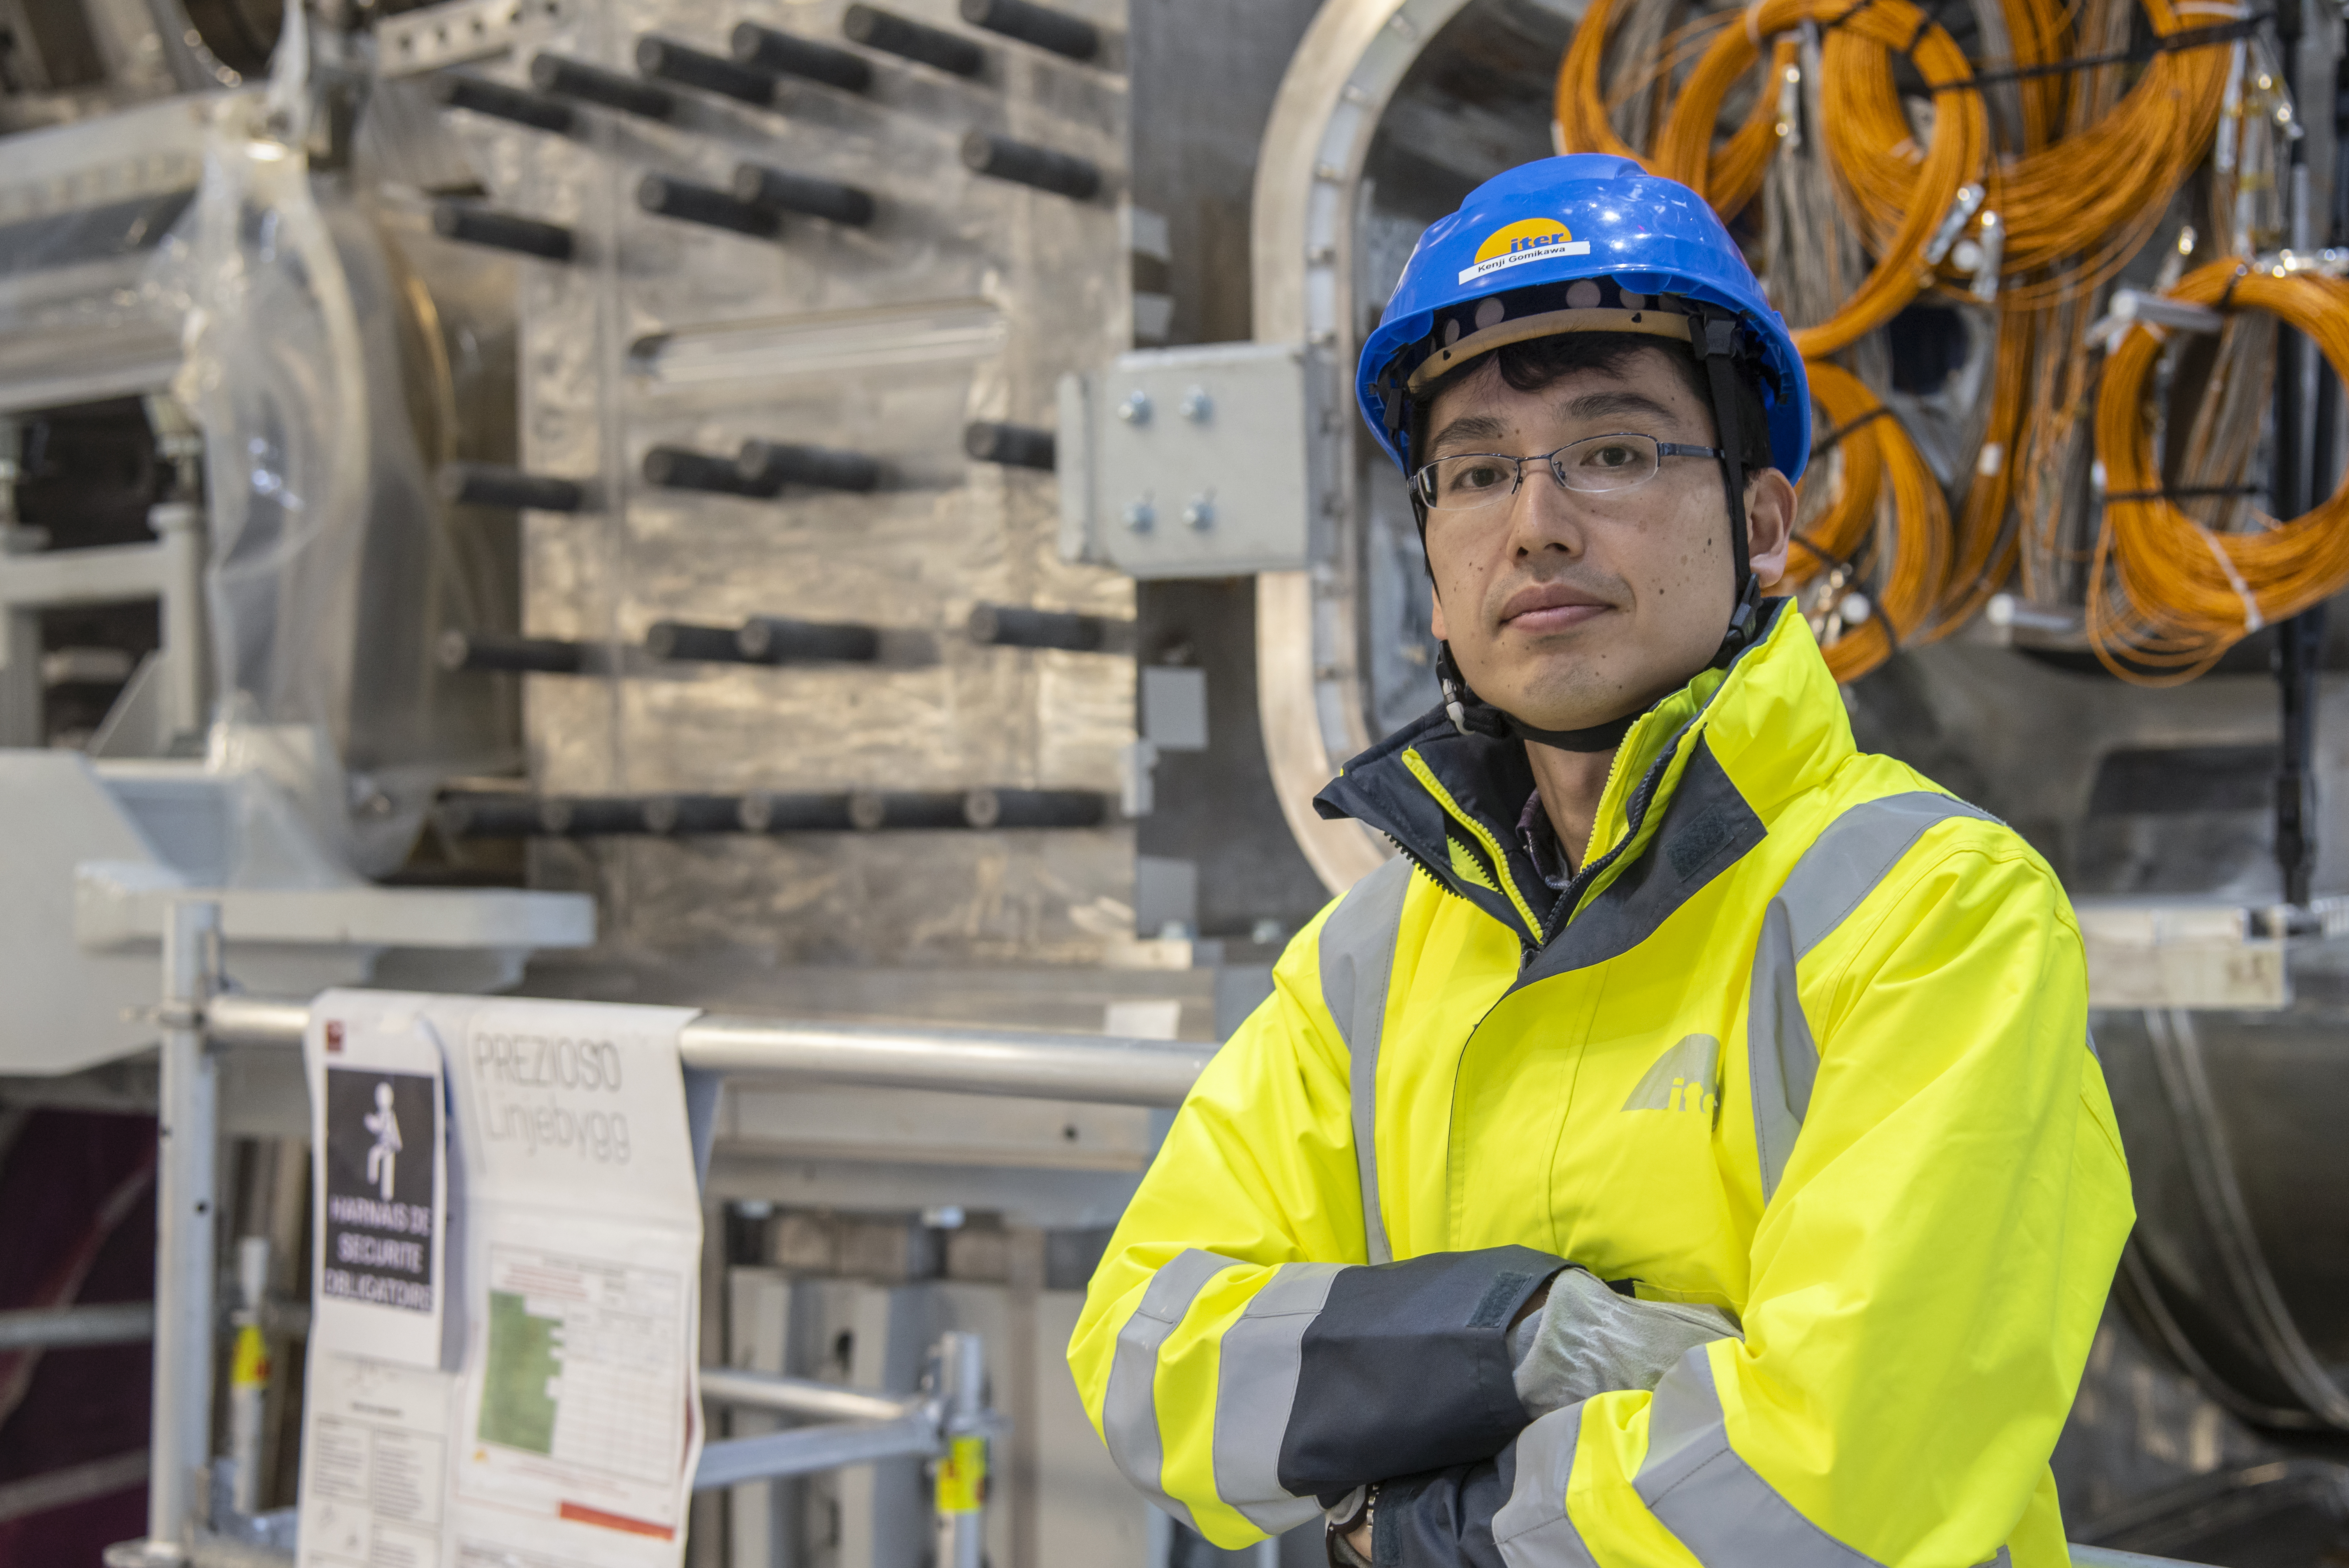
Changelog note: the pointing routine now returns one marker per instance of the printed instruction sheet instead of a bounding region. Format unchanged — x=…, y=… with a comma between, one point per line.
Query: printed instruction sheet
x=577, y=1406
x=502, y=1359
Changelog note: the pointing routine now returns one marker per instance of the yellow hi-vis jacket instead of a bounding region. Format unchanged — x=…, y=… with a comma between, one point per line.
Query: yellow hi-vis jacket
x=1804, y=1039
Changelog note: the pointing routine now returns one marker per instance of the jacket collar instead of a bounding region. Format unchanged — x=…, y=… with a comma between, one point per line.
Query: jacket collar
x=1774, y=721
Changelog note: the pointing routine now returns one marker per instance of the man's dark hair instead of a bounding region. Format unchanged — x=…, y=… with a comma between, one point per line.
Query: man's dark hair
x=1530, y=365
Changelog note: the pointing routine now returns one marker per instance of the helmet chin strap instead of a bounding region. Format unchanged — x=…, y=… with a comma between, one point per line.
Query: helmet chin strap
x=1714, y=341
x=1471, y=715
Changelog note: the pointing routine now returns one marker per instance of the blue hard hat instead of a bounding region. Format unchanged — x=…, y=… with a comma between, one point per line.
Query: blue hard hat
x=1650, y=248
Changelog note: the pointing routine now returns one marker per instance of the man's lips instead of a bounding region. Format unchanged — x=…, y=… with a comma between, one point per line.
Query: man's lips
x=1550, y=607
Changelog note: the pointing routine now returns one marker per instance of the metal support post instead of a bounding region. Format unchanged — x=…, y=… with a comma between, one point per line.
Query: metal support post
x=2300, y=645
x=962, y=1474
x=187, y=1129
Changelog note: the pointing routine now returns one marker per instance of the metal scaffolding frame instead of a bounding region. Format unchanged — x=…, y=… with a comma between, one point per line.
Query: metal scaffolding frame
x=857, y=1428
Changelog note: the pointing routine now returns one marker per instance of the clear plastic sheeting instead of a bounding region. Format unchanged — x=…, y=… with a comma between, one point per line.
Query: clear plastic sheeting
x=333, y=570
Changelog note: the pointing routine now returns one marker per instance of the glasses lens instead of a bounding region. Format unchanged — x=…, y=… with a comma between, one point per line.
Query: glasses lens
x=1460, y=484
x=1606, y=463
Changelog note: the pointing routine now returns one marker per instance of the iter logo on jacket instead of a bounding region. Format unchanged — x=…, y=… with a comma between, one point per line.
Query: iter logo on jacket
x=1687, y=1077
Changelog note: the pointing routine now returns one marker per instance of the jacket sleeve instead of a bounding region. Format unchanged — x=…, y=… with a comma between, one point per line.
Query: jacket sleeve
x=1925, y=1282
x=1237, y=1353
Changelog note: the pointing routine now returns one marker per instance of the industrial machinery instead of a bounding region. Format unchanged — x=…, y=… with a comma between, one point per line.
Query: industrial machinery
x=856, y=513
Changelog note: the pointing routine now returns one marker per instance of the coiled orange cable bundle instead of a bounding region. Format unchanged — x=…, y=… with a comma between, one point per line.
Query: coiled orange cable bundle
x=2082, y=204
x=1911, y=583
x=1984, y=550
x=1580, y=108
x=1684, y=150
x=2166, y=592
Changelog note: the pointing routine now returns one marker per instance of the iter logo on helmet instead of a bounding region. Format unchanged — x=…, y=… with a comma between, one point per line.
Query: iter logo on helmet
x=1533, y=240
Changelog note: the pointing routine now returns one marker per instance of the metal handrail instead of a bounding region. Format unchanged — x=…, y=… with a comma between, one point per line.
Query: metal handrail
x=1107, y=1069
x=799, y=1396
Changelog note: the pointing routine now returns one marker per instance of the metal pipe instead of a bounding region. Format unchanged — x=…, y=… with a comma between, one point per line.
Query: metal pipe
x=499, y=485
x=984, y=809
x=1015, y=626
x=772, y=465
x=474, y=652
x=54, y=1328
x=771, y=50
x=772, y=640
x=1024, y=163
x=681, y=467
x=576, y=79
x=458, y=90
x=1104, y=1069
x=1014, y=446
x=674, y=62
x=691, y=203
x=685, y=640
x=502, y=230
x=179, y=530
x=765, y=812
x=1095, y=1068
x=765, y=187
x=961, y=1495
x=803, y=1450
x=187, y=1129
x=799, y=1396
x=885, y=30
x=1062, y=33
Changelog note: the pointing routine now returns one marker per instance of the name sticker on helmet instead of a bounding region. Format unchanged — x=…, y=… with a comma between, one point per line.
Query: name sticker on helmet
x=1533, y=240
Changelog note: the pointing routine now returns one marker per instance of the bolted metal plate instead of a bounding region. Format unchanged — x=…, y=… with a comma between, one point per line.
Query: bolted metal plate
x=1194, y=463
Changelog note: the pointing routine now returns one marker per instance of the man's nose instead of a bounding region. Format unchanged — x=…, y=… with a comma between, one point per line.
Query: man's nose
x=1543, y=513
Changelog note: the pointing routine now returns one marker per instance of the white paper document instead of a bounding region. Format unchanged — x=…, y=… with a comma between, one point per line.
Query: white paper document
x=576, y=1404
x=378, y=1407
x=509, y=1250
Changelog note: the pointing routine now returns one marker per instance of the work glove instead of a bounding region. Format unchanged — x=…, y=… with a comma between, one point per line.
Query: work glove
x=1588, y=1340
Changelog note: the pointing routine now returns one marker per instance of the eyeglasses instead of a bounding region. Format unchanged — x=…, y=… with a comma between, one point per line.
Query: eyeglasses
x=1594, y=465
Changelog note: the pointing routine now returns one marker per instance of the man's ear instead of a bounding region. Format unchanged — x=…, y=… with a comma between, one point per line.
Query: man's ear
x=1435, y=611
x=1769, y=524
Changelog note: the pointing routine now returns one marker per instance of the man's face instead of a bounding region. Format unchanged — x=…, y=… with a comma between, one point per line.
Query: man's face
x=1568, y=608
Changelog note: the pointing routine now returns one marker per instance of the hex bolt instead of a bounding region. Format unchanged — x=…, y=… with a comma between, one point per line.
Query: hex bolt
x=1001, y=157
x=692, y=203
x=786, y=54
x=1201, y=514
x=773, y=188
x=674, y=62
x=772, y=465
x=474, y=652
x=886, y=31
x=1197, y=406
x=772, y=640
x=457, y=89
x=495, y=484
x=1140, y=516
x=1015, y=445
x=502, y=230
x=576, y=79
x=681, y=467
x=1134, y=408
x=1062, y=33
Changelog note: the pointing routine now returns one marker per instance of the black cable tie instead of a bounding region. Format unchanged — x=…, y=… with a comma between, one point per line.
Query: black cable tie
x=2227, y=295
x=2188, y=492
x=1838, y=562
x=1835, y=437
x=2186, y=38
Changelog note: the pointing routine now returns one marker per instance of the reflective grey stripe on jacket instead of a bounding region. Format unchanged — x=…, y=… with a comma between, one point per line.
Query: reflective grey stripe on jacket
x=1719, y=1506
x=1256, y=1391
x=1841, y=868
x=1356, y=957
x=1531, y=1528
x=1130, y=1408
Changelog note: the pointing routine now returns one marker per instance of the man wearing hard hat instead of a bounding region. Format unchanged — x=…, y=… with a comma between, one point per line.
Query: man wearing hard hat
x=1690, y=1150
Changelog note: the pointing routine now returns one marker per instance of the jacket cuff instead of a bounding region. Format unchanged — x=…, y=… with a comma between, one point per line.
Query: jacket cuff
x=1443, y=1518
x=1406, y=1369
